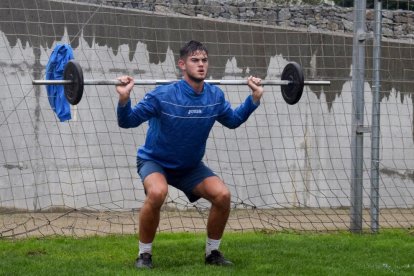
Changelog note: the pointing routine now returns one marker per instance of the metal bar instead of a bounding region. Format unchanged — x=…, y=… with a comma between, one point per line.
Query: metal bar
x=317, y=82
x=357, y=139
x=163, y=82
x=51, y=82
x=375, y=134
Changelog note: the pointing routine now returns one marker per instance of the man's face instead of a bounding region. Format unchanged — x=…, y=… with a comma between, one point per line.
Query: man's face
x=195, y=66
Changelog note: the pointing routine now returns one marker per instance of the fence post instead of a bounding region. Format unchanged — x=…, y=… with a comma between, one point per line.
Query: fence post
x=357, y=139
x=375, y=134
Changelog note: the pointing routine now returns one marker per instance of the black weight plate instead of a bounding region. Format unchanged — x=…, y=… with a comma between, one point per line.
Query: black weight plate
x=292, y=92
x=73, y=91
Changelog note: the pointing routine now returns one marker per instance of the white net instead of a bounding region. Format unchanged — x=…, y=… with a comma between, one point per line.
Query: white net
x=287, y=167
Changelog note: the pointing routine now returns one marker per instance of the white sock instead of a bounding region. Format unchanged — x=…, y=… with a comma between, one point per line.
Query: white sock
x=212, y=245
x=145, y=248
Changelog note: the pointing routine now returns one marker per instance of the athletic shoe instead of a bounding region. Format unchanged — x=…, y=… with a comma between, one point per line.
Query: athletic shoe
x=144, y=261
x=216, y=258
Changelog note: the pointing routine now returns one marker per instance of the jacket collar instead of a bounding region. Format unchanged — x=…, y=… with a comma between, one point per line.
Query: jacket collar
x=186, y=87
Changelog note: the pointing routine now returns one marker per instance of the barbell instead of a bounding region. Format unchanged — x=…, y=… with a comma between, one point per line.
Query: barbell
x=291, y=82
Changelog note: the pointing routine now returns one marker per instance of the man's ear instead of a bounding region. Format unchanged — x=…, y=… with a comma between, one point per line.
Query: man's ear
x=181, y=64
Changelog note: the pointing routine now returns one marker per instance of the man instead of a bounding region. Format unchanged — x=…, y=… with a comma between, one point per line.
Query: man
x=181, y=116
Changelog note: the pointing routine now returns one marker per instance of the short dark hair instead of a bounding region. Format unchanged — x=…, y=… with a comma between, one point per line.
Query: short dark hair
x=191, y=47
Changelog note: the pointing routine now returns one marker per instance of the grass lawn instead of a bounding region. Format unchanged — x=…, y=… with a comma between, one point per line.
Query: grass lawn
x=390, y=252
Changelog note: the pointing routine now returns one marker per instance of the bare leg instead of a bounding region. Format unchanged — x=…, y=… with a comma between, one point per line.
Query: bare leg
x=214, y=190
x=149, y=217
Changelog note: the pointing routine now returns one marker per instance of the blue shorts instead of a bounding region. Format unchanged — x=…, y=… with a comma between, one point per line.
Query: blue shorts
x=184, y=180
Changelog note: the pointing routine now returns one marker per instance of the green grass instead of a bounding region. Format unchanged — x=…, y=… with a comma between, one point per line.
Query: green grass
x=390, y=252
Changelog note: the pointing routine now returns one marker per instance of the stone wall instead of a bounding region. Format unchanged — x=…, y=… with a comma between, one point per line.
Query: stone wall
x=396, y=24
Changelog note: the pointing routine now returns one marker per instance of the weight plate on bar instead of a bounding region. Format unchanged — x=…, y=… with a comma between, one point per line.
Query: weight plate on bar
x=73, y=91
x=293, y=91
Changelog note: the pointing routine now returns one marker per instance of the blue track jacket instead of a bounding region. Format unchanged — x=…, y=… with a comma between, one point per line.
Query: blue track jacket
x=180, y=121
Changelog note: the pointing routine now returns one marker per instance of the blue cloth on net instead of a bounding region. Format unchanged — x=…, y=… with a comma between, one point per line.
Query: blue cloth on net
x=54, y=71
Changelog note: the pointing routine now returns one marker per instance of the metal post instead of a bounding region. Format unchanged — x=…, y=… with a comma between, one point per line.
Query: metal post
x=357, y=139
x=375, y=134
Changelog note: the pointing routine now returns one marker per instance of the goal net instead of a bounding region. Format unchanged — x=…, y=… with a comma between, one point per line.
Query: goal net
x=288, y=167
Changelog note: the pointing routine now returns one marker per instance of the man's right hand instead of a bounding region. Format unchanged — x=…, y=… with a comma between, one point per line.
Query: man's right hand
x=124, y=89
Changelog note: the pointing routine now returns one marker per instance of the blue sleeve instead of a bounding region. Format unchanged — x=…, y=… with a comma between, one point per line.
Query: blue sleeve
x=233, y=118
x=129, y=117
x=60, y=56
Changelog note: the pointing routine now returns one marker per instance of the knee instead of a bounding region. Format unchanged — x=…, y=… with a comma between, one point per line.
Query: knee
x=222, y=198
x=156, y=197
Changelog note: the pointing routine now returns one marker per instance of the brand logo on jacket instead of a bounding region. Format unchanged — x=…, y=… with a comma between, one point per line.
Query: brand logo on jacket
x=194, y=111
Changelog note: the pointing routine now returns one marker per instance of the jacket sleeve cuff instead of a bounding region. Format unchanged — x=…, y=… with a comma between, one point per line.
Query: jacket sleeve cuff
x=255, y=104
x=125, y=105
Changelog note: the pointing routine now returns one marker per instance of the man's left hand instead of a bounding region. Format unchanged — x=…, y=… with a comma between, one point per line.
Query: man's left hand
x=256, y=87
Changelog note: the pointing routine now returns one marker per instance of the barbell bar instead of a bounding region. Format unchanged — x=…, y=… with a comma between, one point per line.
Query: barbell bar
x=291, y=82
x=164, y=82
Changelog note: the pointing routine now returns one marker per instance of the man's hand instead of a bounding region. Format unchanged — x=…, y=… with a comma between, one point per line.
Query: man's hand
x=124, y=89
x=256, y=87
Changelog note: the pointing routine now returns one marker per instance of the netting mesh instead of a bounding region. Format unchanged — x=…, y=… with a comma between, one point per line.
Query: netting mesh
x=287, y=167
